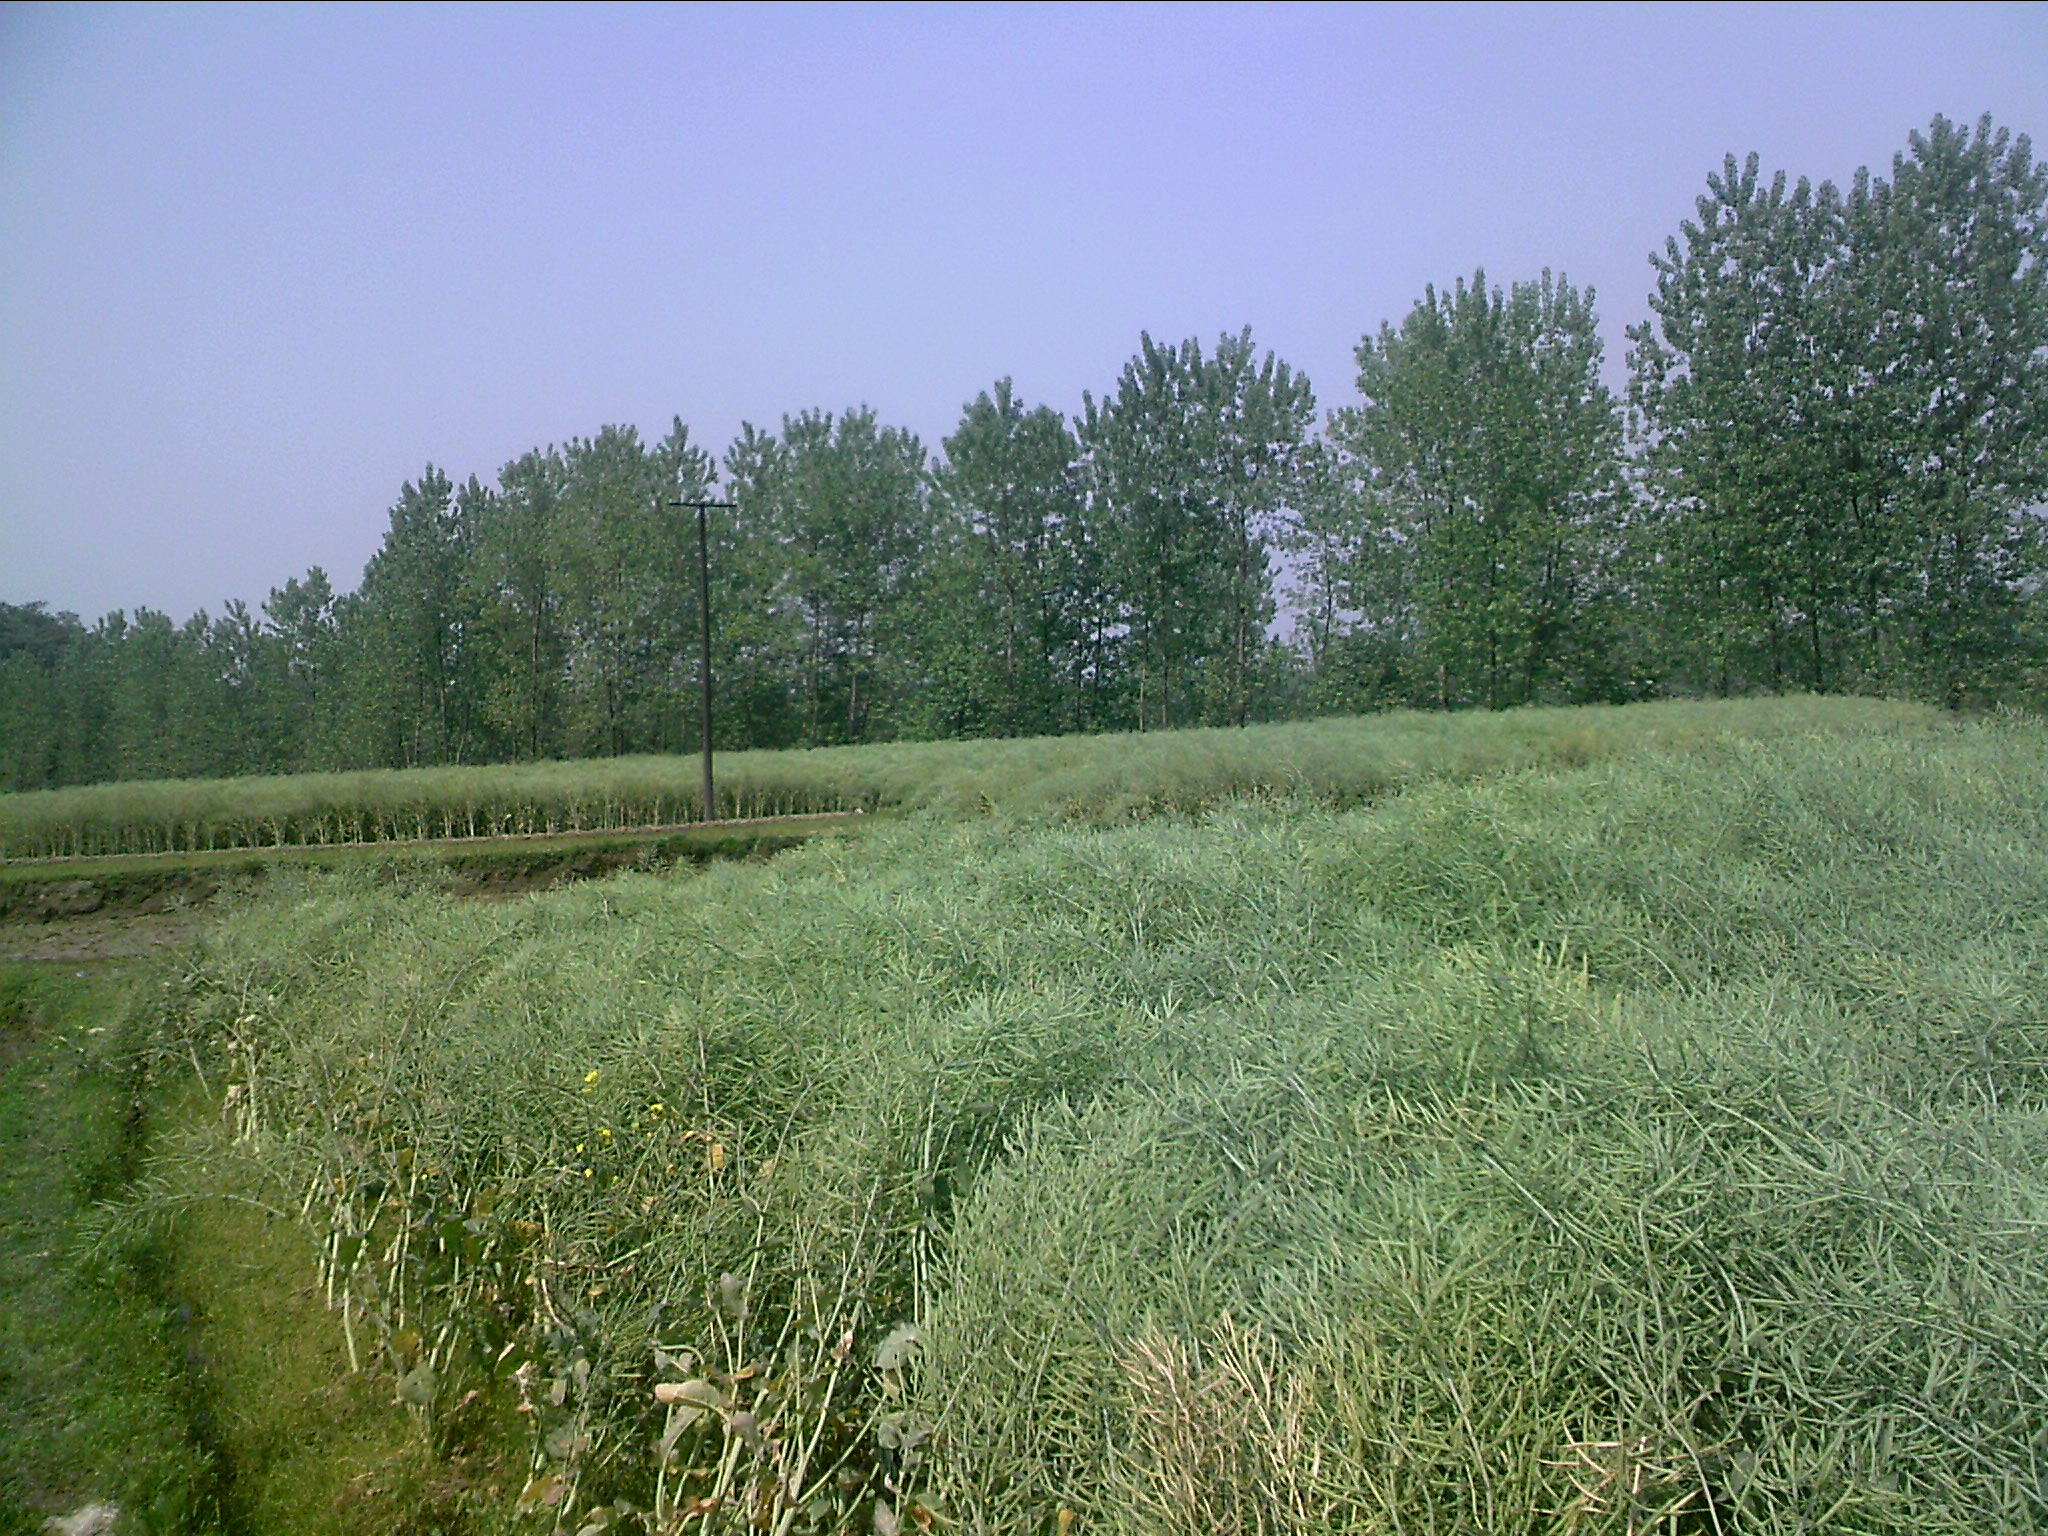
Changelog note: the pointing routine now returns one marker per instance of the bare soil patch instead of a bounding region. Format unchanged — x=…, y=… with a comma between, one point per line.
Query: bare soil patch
x=110, y=936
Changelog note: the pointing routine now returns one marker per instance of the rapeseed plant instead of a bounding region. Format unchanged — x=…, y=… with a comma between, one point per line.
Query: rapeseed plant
x=1094, y=778
x=1652, y=1145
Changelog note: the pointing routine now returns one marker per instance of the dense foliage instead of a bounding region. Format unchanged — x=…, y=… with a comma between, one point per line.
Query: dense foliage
x=1656, y=1144
x=1843, y=404
x=1488, y=457
x=1832, y=480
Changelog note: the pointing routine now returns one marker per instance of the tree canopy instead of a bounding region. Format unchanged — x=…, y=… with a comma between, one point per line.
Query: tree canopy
x=1829, y=474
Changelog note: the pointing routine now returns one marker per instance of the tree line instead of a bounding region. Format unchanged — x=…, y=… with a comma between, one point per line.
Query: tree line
x=1826, y=473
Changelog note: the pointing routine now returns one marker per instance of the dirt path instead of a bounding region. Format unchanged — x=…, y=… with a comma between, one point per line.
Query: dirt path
x=112, y=936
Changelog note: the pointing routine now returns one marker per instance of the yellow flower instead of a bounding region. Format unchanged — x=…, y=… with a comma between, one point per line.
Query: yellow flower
x=590, y=1076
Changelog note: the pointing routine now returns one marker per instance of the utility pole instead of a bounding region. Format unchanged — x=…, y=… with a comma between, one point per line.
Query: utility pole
x=708, y=804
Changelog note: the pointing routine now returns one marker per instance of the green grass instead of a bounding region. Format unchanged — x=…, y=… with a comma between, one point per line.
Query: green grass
x=1104, y=778
x=92, y=1392
x=1609, y=1141
x=301, y=1443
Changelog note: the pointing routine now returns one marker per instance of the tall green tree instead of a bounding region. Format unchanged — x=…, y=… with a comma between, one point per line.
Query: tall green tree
x=238, y=739
x=1842, y=418
x=1484, y=485
x=410, y=623
x=846, y=502
x=758, y=638
x=1002, y=638
x=684, y=472
x=294, y=673
x=626, y=564
x=1261, y=420
x=1745, y=415
x=517, y=594
x=1352, y=649
x=164, y=699
x=35, y=647
x=1950, y=277
x=1186, y=465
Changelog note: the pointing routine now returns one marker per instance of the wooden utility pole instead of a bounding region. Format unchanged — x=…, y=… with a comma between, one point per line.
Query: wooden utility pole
x=709, y=804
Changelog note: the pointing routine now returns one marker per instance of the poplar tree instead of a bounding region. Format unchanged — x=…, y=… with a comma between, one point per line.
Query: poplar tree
x=518, y=597
x=1745, y=413
x=629, y=597
x=1952, y=273
x=845, y=502
x=1842, y=412
x=408, y=627
x=999, y=645
x=1187, y=465
x=294, y=672
x=1484, y=480
x=37, y=649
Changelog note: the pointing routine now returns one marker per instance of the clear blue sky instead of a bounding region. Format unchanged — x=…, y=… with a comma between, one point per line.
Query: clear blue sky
x=259, y=266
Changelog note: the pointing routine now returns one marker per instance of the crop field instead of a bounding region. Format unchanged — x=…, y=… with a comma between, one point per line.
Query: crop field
x=1646, y=1137
x=1341, y=762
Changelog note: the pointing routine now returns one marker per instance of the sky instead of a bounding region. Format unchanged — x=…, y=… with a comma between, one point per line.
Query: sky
x=260, y=266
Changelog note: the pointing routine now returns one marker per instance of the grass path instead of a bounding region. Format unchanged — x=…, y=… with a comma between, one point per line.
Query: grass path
x=92, y=1392
x=189, y=1377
